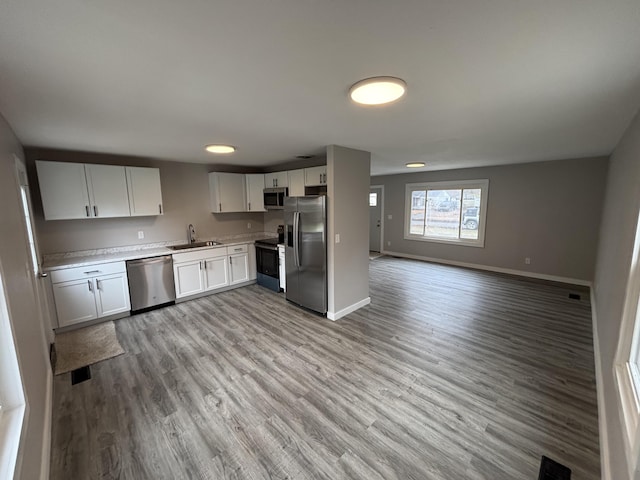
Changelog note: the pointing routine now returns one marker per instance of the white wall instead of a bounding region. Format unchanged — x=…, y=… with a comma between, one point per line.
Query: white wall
x=547, y=211
x=185, y=194
x=348, y=215
x=617, y=232
x=31, y=346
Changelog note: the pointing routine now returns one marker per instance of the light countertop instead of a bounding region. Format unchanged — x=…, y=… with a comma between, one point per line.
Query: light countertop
x=58, y=261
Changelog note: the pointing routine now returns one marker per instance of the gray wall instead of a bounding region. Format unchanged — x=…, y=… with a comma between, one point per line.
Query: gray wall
x=31, y=346
x=185, y=194
x=348, y=215
x=547, y=211
x=617, y=235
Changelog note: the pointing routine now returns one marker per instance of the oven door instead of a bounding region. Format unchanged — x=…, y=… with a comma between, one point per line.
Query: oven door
x=267, y=261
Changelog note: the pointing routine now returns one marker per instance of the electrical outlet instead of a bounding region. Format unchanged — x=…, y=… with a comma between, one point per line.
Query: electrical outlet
x=249, y=225
x=337, y=238
x=389, y=217
x=388, y=244
x=140, y=234
x=527, y=261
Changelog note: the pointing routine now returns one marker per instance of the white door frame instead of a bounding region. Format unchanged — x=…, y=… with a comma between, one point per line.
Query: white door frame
x=381, y=187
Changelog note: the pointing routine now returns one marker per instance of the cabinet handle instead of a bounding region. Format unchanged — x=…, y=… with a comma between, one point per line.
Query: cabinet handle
x=249, y=206
x=205, y=264
x=98, y=284
x=90, y=285
x=230, y=261
x=91, y=271
x=239, y=249
x=324, y=175
x=220, y=206
x=160, y=208
x=320, y=178
x=86, y=209
x=95, y=211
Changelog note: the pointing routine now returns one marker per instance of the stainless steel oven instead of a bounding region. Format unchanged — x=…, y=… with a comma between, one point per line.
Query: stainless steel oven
x=268, y=263
x=274, y=198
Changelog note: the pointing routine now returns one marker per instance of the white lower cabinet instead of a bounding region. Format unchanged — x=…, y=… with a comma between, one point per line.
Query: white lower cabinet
x=86, y=293
x=210, y=269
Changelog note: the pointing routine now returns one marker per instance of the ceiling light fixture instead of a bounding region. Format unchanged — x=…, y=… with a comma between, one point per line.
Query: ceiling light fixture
x=414, y=164
x=220, y=148
x=377, y=90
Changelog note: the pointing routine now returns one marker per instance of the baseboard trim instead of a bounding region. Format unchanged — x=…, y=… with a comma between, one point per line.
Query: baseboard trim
x=489, y=268
x=46, y=432
x=605, y=465
x=346, y=311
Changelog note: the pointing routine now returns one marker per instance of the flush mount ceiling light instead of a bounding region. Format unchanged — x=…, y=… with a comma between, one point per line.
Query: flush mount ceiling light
x=220, y=148
x=377, y=90
x=414, y=164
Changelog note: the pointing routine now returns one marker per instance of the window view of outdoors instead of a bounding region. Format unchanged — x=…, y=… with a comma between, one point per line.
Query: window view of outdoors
x=446, y=214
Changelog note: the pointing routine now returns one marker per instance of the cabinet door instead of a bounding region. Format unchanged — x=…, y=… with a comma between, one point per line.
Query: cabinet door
x=75, y=301
x=63, y=188
x=255, y=194
x=112, y=294
x=227, y=192
x=107, y=191
x=188, y=278
x=315, y=176
x=145, y=195
x=276, y=180
x=296, y=183
x=238, y=268
x=215, y=273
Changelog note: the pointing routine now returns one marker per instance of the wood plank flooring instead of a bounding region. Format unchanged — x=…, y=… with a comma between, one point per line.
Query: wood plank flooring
x=448, y=374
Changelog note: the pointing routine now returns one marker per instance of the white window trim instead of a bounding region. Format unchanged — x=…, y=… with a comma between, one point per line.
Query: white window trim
x=626, y=372
x=13, y=401
x=448, y=185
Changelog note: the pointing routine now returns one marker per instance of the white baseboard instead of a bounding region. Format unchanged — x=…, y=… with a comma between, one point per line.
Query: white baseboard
x=346, y=311
x=489, y=268
x=605, y=465
x=46, y=432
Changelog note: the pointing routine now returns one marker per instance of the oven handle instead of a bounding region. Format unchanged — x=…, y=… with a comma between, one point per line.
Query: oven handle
x=266, y=247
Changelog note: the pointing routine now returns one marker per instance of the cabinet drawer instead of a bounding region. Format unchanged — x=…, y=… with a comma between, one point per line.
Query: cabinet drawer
x=89, y=271
x=199, y=254
x=237, y=249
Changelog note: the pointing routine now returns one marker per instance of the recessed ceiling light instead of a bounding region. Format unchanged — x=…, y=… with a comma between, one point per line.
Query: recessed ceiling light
x=220, y=148
x=377, y=90
x=414, y=164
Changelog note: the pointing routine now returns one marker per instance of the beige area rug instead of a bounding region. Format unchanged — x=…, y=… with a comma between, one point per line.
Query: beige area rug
x=86, y=346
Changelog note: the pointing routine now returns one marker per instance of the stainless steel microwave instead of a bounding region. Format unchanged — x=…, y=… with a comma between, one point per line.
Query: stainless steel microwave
x=274, y=198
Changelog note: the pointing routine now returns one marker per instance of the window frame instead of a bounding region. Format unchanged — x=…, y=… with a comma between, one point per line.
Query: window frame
x=482, y=184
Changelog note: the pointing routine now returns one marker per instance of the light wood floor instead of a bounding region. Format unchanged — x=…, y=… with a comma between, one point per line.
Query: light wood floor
x=448, y=374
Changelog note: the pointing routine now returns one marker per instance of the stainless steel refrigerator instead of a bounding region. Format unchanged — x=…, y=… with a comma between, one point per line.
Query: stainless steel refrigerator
x=305, y=221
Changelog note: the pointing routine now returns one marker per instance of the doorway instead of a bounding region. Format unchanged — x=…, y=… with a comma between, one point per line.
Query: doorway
x=376, y=198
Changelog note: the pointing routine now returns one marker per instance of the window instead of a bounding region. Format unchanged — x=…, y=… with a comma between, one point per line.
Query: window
x=373, y=199
x=450, y=212
x=627, y=363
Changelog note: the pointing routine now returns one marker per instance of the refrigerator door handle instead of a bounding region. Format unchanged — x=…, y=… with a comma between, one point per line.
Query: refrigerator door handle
x=296, y=238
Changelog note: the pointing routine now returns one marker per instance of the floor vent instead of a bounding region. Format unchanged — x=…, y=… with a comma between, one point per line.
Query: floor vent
x=80, y=375
x=574, y=296
x=552, y=470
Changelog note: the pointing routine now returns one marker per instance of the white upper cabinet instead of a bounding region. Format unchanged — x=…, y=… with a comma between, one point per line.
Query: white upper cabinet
x=227, y=192
x=63, y=188
x=78, y=190
x=315, y=176
x=255, y=194
x=107, y=191
x=296, y=182
x=145, y=195
x=276, y=180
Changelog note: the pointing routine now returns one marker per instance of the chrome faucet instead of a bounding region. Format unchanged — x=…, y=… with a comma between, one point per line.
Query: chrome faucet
x=192, y=233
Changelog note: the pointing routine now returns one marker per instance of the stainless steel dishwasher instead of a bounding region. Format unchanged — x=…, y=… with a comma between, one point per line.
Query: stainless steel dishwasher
x=151, y=282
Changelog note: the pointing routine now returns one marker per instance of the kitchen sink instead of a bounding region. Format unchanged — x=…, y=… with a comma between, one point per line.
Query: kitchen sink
x=185, y=246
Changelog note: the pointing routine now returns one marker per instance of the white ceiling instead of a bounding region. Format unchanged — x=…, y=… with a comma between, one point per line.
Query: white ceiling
x=489, y=81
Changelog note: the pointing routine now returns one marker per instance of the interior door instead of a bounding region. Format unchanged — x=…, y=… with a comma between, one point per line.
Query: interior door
x=38, y=278
x=375, y=219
